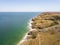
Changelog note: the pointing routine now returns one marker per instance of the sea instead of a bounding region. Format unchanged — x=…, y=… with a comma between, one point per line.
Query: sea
x=13, y=26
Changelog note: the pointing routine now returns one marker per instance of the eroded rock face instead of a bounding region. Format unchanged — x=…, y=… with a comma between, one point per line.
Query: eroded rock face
x=47, y=32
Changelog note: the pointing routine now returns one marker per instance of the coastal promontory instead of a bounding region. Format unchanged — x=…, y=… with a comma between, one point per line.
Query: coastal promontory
x=45, y=30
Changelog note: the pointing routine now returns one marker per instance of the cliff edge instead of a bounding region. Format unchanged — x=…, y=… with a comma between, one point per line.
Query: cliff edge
x=46, y=30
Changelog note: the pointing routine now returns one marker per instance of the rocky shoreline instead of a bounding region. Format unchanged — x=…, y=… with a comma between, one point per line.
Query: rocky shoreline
x=44, y=30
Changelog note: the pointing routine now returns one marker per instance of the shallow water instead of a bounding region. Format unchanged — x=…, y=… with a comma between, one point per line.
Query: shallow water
x=13, y=26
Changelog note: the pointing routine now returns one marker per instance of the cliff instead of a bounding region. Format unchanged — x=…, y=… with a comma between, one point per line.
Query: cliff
x=46, y=30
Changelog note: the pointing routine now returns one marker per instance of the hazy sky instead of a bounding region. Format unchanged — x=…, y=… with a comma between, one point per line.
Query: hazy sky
x=29, y=5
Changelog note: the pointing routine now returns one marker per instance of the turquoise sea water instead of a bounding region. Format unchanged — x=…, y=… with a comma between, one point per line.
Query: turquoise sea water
x=13, y=26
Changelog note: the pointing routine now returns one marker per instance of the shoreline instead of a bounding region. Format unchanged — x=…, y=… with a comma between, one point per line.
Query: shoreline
x=50, y=30
x=30, y=29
